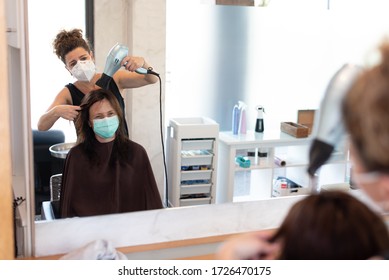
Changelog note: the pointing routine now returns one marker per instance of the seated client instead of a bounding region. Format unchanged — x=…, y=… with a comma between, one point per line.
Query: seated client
x=331, y=225
x=106, y=172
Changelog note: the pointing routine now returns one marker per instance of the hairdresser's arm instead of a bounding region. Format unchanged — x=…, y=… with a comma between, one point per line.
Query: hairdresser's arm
x=131, y=79
x=60, y=108
x=249, y=246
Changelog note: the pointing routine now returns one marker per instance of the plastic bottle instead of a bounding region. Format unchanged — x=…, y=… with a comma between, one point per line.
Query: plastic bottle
x=242, y=120
x=259, y=125
x=235, y=120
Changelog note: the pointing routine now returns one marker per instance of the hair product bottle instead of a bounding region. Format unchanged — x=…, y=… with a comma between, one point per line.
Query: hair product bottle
x=235, y=120
x=242, y=120
x=259, y=125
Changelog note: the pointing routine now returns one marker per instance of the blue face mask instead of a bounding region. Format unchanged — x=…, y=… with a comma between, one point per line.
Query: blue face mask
x=106, y=127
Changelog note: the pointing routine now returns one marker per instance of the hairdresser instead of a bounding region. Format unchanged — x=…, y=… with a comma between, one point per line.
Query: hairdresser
x=330, y=225
x=76, y=54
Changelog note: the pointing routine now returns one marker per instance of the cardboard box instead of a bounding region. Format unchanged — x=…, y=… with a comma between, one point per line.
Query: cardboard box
x=306, y=118
x=294, y=129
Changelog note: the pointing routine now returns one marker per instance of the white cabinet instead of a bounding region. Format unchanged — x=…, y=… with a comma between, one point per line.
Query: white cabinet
x=192, y=161
x=236, y=183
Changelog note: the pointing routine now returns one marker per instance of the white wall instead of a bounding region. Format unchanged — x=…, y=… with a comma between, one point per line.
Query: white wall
x=47, y=72
x=281, y=57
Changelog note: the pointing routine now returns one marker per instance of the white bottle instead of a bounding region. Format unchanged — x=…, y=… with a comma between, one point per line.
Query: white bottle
x=235, y=120
x=242, y=121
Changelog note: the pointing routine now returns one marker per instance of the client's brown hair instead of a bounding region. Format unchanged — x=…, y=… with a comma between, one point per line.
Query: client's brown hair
x=332, y=225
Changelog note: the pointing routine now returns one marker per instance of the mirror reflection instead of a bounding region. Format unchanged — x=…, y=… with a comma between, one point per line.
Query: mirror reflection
x=250, y=55
x=76, y=53
x=44, y=65
x=106, y=172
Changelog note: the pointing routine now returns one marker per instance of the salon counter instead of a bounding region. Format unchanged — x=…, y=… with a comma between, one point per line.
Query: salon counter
x=174, y=233
x=148, y=228
x=190, y=249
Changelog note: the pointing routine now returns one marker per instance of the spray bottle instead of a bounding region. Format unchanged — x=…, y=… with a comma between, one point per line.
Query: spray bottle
x=259, y=125
x=242, y=120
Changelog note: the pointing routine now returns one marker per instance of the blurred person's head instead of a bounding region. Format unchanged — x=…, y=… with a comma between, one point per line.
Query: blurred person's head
x=366, y=117
x=331, y=225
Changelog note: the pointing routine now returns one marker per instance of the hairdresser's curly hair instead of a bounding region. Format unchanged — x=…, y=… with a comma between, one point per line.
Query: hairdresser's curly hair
x=66, y=41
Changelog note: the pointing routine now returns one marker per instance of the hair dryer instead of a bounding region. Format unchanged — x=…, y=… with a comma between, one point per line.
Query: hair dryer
x=330, y=128
x=112, y=64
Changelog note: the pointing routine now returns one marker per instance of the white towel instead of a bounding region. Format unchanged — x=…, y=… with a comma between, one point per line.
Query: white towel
x=95, y=250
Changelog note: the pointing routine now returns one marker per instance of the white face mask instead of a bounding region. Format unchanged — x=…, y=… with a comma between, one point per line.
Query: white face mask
x=84, y=70
x=365, y=178
x=371, y=178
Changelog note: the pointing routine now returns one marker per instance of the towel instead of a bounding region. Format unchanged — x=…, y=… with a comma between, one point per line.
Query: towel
x=95, y=250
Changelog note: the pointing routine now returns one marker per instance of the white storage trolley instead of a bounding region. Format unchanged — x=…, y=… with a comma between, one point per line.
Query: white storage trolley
x=192, y=161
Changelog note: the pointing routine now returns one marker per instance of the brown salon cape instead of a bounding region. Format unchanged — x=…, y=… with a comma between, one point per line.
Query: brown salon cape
x=89, y=190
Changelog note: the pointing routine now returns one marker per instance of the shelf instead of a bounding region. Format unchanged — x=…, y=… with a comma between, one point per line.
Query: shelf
x=196, y=157
x=196, y=175
x=257, y=180
x=252, y=167
x=291, y=165
x=269, y=138
x=195, y=201
x=271, y=166
x=195, y=188
x=201, y=144
x=277, y=192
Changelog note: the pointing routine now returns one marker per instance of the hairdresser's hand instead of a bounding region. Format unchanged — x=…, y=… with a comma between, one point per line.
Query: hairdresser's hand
x=131, y=63
x=68, y=112
x=249, y=246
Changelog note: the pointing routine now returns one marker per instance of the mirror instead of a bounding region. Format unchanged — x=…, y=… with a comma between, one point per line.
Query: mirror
x=202, y=98
x=256, y=64
x=115, y=19
x=112, y=24
x=41, y=36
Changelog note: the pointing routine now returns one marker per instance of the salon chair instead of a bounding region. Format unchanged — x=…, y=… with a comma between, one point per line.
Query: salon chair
x=50, y=209
x=45, y=165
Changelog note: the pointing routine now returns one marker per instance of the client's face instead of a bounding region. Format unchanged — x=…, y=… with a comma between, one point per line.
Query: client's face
x=104, y=121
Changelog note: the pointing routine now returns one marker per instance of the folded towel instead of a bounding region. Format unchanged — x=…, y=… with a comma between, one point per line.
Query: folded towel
x=95, y=250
